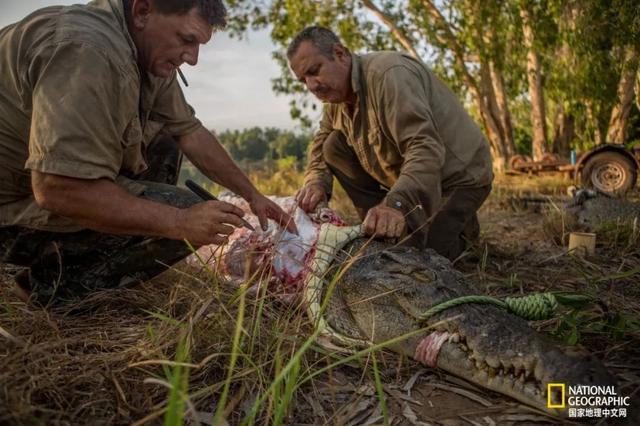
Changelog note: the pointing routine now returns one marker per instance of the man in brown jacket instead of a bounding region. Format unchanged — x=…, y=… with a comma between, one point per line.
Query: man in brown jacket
x=398, y=140
x=84, y=195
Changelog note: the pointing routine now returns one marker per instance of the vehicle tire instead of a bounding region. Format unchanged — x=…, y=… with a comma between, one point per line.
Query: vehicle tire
x=609, y=172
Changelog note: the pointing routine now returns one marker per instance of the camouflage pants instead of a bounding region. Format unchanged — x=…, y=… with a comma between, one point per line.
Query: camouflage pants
x=64, y=266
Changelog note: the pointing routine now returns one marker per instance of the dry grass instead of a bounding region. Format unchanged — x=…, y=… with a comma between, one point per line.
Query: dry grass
x=114, y=357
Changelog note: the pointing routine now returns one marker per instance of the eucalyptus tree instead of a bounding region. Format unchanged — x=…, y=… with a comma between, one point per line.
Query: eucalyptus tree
x=459, y=39
x=625, y=22
x=592, y=76
x=510, y=61
x=532, y=14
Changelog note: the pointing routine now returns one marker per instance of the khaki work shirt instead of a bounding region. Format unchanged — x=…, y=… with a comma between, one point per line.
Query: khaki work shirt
x=74, y=103
x=418, y=140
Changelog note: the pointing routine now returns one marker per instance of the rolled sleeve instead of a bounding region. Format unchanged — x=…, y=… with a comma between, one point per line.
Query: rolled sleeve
x=74, y=130
x=408, y=122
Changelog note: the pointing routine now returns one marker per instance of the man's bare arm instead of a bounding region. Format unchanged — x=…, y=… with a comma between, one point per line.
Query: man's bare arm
x=103, y=206
x=209, y=156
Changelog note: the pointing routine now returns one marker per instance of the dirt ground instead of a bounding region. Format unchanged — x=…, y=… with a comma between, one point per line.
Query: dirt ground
x=107, y=359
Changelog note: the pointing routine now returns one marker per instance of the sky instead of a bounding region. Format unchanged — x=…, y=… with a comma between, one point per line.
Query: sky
x=230, y=87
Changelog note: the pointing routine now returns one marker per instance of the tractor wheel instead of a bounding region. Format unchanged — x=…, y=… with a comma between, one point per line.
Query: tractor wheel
x=609, y=172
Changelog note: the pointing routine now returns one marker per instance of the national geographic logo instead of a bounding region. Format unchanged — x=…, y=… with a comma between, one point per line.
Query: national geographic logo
x=587, y=401
x=555, y=395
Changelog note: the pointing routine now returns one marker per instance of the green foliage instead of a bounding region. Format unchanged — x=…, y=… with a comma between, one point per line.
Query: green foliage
x=272, y=158
x=614, y=325
x=580, y=44
x=256, y=144
x=523, y=140
x=567, y=328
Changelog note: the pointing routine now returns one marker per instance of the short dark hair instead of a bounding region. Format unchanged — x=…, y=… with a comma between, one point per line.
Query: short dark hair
x=322, y=38
x=213, y=11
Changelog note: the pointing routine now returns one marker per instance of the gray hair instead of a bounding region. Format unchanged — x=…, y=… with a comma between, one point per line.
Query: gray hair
x=322, y=39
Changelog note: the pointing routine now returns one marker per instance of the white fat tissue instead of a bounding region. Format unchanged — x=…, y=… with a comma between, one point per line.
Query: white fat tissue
x=276, y=254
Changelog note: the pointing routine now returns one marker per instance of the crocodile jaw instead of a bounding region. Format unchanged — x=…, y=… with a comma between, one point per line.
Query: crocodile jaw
x=454, y=358
x=527, y=384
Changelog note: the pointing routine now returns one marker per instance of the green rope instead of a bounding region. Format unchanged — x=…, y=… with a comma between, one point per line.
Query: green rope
x=533, y=307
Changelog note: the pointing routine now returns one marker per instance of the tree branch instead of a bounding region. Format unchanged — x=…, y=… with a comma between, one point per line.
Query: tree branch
x=395, y=30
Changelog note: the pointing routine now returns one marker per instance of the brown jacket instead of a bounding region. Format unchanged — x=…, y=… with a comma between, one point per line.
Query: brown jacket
x=73, y=103
x=417, y=139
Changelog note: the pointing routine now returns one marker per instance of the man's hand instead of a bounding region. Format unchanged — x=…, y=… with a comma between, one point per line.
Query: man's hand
x=384, y=221
x=210, y=222
x=204, y=150
x=265, y=209
x=309, y=196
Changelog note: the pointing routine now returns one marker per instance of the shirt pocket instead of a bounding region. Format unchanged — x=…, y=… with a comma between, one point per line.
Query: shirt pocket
x=132, y=143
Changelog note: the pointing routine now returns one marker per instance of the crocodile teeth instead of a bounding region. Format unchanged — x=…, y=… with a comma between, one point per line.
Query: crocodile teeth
x=454, y=338
x=517, y=370
x=493, y=362
x=539, y=372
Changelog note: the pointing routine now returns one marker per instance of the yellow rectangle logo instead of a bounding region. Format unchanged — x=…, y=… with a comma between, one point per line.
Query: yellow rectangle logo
x=550, y=388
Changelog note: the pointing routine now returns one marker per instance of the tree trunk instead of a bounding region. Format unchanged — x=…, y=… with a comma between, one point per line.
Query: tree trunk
x=592, y=117
x=483, y=99
x=637, y=86
x=492, y=109
x=538, y=118
x=503, y=110
x=563, y=132
x=617, y=132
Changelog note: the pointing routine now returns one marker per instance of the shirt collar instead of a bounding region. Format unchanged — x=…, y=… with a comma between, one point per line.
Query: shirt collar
x=117, y=8
x=356, y=71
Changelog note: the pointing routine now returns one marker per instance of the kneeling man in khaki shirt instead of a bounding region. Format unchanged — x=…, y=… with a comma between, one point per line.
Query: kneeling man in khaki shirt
x=409, y=156
x=87, y=191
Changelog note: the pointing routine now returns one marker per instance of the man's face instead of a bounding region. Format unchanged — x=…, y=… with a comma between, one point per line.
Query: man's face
x=328, y=79
x=165, y=42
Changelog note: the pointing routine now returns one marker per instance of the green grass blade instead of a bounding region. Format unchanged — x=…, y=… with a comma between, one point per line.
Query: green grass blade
x=174, y=415
x=380, y=390
x=235, y=349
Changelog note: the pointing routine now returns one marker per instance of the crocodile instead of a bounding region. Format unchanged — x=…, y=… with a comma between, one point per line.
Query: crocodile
x=385, y=288
x=362, y=292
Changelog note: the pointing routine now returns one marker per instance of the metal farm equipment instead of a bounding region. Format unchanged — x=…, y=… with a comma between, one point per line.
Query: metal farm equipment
x=609, y=168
